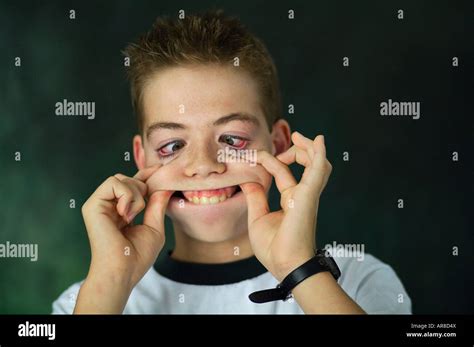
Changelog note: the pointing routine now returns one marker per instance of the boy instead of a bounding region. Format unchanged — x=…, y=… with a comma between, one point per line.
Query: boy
x=211, y=140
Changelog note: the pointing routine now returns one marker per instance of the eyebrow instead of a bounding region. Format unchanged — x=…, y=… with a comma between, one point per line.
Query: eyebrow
x=238, y=116
x=163, y=125
x=243, y=117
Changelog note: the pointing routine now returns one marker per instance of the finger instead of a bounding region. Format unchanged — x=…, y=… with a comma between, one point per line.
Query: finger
x=257, y=204
x=155, y=210
x=321, y=168
x=135, y=206
x=287, y=156
x=304, y=143
x=318, y=175
x=137, y=203
x=319, y=161
x=139, y=185
x=146, y=173
x=130, y=204
x=319, y=146
x=283, y=177
x=114, y=190
x=294, y=154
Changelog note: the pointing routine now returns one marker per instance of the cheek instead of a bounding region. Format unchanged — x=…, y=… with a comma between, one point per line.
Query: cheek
x=151, y=158
x=170, y=177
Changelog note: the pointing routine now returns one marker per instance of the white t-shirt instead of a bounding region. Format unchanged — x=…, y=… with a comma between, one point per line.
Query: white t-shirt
x=184, y=288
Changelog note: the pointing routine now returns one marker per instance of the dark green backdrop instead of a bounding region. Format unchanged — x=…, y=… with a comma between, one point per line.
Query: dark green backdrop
x=390, y=158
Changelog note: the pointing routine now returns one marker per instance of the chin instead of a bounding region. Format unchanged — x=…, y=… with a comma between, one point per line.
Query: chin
x=210, y=215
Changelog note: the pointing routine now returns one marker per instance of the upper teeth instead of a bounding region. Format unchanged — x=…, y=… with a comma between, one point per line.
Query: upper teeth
x=204, y=200
x=212, y=196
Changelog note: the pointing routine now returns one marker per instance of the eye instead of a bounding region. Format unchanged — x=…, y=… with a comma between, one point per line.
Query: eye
x=234, y=141
x=170, y=148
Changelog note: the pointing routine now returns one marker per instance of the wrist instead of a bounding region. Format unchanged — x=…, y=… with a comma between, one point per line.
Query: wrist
x=102, y=295
x=115, y=282
x=119, y=275
x=284, y=268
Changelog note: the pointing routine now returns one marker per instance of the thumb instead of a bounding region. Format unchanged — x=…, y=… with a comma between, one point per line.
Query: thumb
x=257, y=204
x=155, y=209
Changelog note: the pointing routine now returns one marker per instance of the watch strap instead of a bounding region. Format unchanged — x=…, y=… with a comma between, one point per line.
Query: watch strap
x=319, y=263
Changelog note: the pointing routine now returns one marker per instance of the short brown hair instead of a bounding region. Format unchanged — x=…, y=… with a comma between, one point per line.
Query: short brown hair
x=210, y=37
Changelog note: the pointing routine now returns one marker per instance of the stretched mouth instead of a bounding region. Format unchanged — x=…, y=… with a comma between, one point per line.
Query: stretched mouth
x=207, y=197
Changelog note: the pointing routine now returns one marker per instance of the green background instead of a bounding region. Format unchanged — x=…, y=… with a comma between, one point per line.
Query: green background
x=65, y=158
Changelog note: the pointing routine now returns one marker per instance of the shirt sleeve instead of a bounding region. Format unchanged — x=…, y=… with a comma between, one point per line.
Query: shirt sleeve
x=380, y=291
x=67, y=300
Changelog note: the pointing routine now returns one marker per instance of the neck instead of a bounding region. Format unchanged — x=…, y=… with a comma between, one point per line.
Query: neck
x=195, y=251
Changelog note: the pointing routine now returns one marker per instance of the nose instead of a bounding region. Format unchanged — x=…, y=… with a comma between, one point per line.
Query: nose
x=202, y=162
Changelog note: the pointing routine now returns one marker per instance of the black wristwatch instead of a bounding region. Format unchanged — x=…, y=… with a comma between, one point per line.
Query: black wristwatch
x=319, y=263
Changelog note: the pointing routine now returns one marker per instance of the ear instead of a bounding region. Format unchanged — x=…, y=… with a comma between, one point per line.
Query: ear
x=281, y=137
x=138, y=152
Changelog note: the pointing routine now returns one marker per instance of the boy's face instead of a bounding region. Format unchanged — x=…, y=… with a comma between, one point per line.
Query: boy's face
x=194, y=117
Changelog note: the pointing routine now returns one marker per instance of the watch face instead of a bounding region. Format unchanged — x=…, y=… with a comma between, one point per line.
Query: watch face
x=329, y=263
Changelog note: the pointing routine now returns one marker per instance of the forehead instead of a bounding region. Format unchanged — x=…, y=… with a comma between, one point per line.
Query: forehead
x=203, y=92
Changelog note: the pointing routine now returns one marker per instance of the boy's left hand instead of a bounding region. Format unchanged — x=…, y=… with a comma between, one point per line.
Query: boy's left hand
x=285, y=239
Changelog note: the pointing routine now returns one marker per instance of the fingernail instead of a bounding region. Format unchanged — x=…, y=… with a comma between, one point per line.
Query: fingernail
x=130, y=217
x=322, y=136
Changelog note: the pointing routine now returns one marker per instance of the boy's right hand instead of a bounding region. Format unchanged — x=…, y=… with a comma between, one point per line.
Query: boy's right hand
x=121, y=252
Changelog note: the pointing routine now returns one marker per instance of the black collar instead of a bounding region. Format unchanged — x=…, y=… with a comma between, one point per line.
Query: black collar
x=209, y=274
